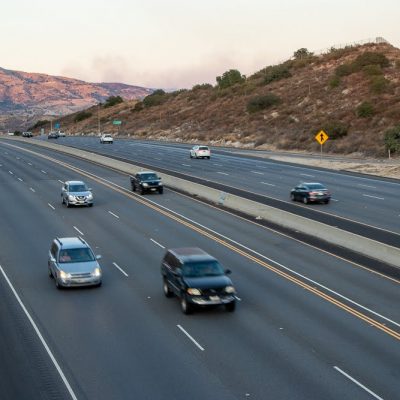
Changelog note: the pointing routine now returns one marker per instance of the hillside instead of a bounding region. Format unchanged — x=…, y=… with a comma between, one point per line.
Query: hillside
x=352, y=93
x=27, y=97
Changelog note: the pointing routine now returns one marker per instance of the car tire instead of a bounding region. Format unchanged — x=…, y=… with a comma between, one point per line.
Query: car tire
x=58, y=285
x=292, y=197
x=326, y=201
x=62, y=200
x=167, y=292
x=186, y=307
x=191, y=155
x=67, y=203
x=142, y=191
x=50, y=273
x=99, y=284
x=208, y=157
x=133, y=187
x=90, y=205
x=305, y=200
x=230, y=307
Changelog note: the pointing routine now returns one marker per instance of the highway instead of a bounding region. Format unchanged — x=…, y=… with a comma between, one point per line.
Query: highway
x=309, y=324
x=370, y=201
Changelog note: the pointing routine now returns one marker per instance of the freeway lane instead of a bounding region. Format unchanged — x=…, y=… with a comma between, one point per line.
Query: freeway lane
x=123, y=340
x=369, y=200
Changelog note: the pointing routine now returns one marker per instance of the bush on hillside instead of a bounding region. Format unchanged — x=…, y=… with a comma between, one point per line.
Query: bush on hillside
x=392, y=139
x=370, y=58
x=276, y=73
x=379, y=84
x=334, y=129
x=230, y=78
x=372, y=70
x=202, y=86
x=17, y=133
x=112, y=101
x=365, y=110
x=334, y=82
x=80, y=116
x=344, y=70
x=155, y=99
x=138, y=106
x=39, y=124
x=302, y=53
x=262, y=102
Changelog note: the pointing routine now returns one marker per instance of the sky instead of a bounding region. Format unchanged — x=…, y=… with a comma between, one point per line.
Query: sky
x=175, y=44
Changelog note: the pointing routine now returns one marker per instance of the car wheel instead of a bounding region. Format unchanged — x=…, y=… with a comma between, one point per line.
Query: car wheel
x=50, y=273
x=133, y=187
x=305, y=200
x=99, y=284
x=186, y=307
x=62, y=200
x=90, y=205
x=191, y=155
x=292, y=197
x=58, y=285
x=142, y=191
x=161, y=190
x=208, y=157
x=230, y=306
x=167, y=291
x=67, y=203
x=326, y=201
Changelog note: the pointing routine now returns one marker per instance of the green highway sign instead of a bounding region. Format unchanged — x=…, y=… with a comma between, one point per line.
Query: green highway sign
x=116, y=122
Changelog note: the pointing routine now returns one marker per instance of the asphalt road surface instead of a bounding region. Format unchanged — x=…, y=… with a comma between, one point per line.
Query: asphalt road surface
x=309, y=325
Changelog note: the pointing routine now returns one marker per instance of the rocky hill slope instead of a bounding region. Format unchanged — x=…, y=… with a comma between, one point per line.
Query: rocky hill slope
x=352, y=93
x=26, y=97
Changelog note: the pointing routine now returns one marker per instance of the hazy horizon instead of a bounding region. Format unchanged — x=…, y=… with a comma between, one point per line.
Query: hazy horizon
x=179, y=44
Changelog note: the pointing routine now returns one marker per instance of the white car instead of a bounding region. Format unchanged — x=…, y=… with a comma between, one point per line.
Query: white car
x=200, y=152
x=106, y=138
x=61, y=134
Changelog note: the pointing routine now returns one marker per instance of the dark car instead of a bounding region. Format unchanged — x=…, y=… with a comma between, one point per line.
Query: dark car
x=53, y=135
x=197, y=279
x=310, y=192
x=146, y=181
x=27, y=134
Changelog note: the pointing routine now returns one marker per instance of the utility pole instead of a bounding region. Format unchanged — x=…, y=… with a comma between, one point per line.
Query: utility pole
x=98, y=118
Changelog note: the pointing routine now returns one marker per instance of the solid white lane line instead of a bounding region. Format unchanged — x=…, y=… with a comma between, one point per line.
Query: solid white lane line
x=117, y=266
x=33, y=190
x=18, y=158
x=41, y=338
x=373, y=197
x=158, y=244
x=79, y=231
x=310, y=176
x=1, y=165
x=29, y=163
x=191, y=338
x=334, y=199
x=51, y=206
x=367, y=186
x=60, y=181
x=217, y=165
x=238, y=298
x=12, y=173
x=222, y=173
x=256, y=172
x=358, y=383
x=114, y=215
x=269, y=184
x=186, y=165
x=43, y=171
x=21, y=180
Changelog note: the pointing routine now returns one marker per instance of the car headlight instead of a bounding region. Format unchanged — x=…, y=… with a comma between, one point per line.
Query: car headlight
x=96, y=272
x=90, y=196
x=145, y=184
x=64, y=275
x=159, y=183
x=194, y=291
x=229, y=289
x=70, y=197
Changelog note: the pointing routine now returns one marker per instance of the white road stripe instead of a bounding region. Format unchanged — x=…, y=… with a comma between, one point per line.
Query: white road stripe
x=310, y=176
x=29, y=163
x=191, y=338
x=186, y=165
x=373, y=197
x=18, y=158
x=238, y=298
x=60, y=181
x=43, y=171
x=33, y=190
x=114, y=215
x=1, y=165
x=269, y=184
x=358, y=383
x=21, y=180
x=117, y=266
x=334, y=199
x=367, y=186
x=217, y=165
x=36, y=329
x=12, y=173
x=256, y=172
x=51, y=206
x=79, y=231
x=222, y=173
x=158, y=244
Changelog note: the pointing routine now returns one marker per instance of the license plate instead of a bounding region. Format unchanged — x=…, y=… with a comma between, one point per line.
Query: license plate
x=214, y=298
x=153, y=189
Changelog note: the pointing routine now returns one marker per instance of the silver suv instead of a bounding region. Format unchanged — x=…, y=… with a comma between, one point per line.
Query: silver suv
x=76, y=193
x=71, y=262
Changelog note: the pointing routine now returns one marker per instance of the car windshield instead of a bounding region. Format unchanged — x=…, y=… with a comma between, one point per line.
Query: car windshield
x=204, y=268
x=149, y=177
x=107, y=136
x=82, y=254
x=203, y=148
x=78, y=188
x=316, y=186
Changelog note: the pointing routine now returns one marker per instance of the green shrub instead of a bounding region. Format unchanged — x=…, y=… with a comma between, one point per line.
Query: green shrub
x=302, y=53
x=378, y=84
x=344, y=70
x=334, y=82
x=334, y=129
x=372, y=70
x=262, y=102
x=392, y=139
x=365, y=110
x=276, y=73
x=397, y=63
x=17, y=133
x=155, y=99
x=230, y=78
x=370, y=58
x=112, y=101
x=202, y=86
x=138, y=106
x=82, y=115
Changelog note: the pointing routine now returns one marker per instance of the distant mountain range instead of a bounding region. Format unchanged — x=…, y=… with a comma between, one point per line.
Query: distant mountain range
x=27, y=97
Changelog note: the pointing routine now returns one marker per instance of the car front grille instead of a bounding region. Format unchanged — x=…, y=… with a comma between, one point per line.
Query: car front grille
x=81, y=198
x=82, y=275
x=213, y=292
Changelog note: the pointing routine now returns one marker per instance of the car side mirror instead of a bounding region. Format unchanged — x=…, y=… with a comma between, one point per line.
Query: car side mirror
x=228, y=271
x=90, y=189
x=52, y=259
x=98, y=257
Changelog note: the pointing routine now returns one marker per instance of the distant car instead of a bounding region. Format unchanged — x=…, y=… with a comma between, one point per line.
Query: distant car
x=10, y=133
x=197, y=279
x=200, y=152
x=27, y=134
x=71, y=262
x=53, y=135
x=76, y=193
x=61, y=134
x=146, y=181
x=310, y=192
x=106, y=138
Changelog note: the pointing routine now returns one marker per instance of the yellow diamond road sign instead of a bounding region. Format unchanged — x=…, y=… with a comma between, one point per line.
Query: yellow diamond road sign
x=321, y=137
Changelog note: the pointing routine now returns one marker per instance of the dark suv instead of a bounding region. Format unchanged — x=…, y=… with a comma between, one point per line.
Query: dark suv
x=146, y=181
x=197, y=279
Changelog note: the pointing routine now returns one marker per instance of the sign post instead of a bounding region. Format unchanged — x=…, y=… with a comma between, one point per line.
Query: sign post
x=118, y=123
x=321, y=137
